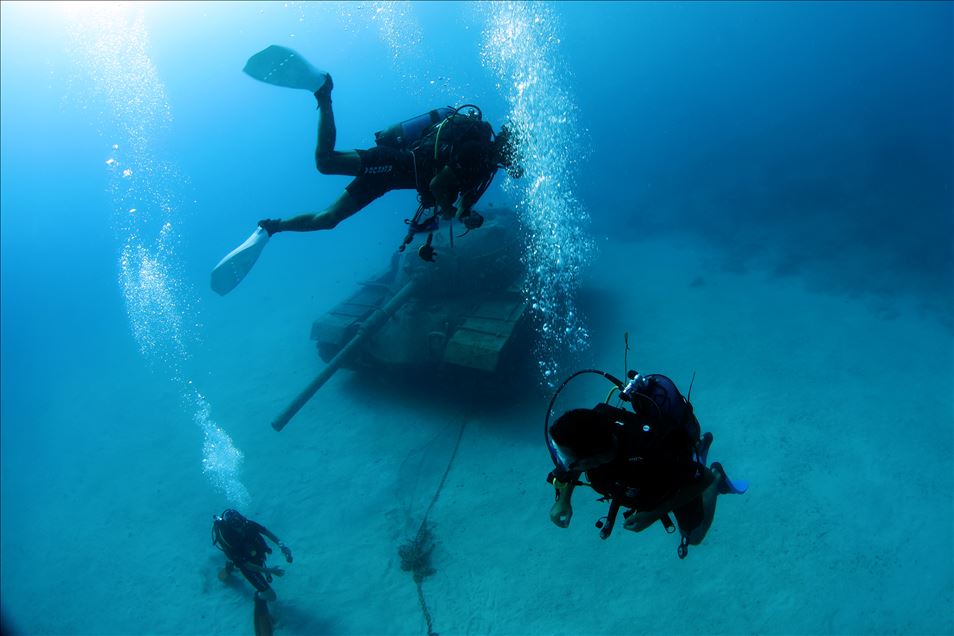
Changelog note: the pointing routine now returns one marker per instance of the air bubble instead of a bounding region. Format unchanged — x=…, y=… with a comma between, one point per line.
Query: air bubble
x=520, y=42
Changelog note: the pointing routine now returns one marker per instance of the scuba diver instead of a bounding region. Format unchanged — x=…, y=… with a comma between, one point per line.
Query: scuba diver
x=650, y=460
x=243, y=543
x=449, y=155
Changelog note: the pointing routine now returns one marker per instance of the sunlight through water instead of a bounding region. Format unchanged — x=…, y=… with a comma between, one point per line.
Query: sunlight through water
x=109, y=40
x=398, y=26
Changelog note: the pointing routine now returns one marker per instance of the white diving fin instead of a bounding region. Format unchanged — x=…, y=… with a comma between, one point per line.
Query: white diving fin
x=238, y=263
x=282, y=66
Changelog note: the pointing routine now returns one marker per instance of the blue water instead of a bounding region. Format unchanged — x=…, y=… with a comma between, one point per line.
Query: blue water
x=759, y=192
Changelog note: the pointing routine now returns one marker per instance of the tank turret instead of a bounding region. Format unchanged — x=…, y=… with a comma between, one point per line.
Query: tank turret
x=464, y=310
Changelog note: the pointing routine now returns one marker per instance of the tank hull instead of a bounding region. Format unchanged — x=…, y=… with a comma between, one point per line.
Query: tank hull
x=467, y=311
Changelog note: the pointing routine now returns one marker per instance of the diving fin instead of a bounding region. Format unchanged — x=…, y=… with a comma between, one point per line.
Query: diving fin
x=282, y=66
x=263, y=620
x=238, y=263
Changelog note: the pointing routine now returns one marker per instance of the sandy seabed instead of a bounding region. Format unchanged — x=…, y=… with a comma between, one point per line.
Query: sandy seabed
x=837, y=409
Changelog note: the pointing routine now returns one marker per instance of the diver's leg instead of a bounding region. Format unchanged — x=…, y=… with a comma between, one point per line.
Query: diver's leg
x=708, y=496
x=258, y=581
x=346, y=205
x=639, y=521
x=327, y=159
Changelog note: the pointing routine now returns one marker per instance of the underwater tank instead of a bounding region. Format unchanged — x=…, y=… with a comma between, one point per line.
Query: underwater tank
x=462, y=311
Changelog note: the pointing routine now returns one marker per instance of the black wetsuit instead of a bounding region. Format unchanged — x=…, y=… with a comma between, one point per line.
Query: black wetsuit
x=242, y=546
x=465, y=146
x=383, y=169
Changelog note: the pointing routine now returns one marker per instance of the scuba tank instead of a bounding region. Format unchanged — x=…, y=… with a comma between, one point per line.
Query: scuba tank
x=403, y=134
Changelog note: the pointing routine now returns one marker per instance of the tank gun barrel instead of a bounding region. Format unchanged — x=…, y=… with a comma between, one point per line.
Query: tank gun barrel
x=368, y=328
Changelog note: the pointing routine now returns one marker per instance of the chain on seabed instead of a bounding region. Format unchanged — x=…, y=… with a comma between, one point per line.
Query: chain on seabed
x=521, y=47
x=110, y=41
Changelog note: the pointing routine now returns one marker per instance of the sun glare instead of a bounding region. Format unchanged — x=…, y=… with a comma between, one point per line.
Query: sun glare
x=79, y=9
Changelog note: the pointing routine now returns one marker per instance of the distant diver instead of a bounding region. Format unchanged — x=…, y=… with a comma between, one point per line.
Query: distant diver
x=243, y=543
x=449, y=155
x=649, y=460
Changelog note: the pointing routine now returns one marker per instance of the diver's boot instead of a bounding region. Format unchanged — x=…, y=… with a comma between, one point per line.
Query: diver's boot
x=323, y=94
x=271, y=226
x=728, y=486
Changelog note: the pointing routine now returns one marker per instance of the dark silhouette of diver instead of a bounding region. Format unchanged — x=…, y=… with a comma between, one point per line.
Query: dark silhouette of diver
x=650, y=459
x=449, y=155
x=243, y=543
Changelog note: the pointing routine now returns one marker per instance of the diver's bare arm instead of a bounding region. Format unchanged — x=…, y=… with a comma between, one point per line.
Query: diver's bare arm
x=264, y=570
x=271, y=535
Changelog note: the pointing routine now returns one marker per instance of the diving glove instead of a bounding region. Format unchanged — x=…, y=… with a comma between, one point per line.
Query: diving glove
x=286, y=551
x=472, y=220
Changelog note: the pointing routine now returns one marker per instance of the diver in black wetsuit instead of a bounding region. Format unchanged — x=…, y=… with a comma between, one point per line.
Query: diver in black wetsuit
x=242, y=541
x=449, y=155
x=650, y=460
